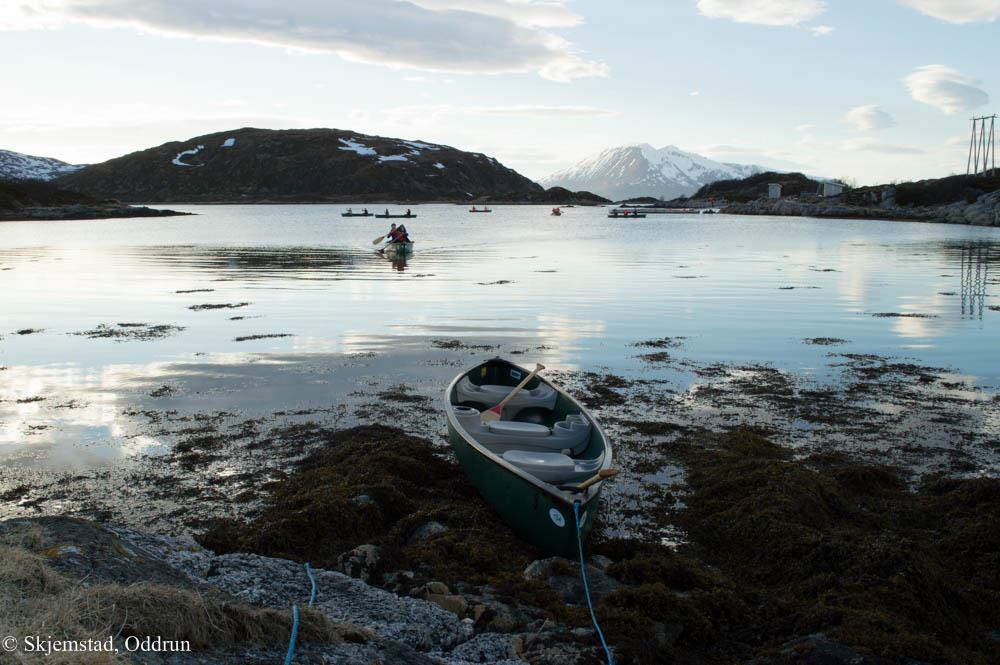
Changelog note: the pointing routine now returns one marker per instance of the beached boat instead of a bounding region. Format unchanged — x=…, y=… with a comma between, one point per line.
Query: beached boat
x=530, y=465
x=398, y=249
x=357, y=214
x=384, y=216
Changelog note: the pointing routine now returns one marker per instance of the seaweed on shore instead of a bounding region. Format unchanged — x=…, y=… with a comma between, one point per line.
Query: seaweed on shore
x=130, y=331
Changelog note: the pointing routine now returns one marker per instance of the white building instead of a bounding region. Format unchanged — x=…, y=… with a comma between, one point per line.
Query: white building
x=829, y=189
x=774, y=190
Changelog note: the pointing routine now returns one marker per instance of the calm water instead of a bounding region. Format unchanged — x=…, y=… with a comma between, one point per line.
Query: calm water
x=574, y=291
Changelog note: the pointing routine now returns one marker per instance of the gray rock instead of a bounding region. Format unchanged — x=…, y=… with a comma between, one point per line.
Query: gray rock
x=361, y=562
x=427, y=531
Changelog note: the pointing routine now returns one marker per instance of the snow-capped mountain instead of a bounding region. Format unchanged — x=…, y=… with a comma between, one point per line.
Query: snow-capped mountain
x=16, y=166
x=641, y=170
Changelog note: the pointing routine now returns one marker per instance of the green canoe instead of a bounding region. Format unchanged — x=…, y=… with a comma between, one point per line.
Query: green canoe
x=529, y=465
x=398, y=249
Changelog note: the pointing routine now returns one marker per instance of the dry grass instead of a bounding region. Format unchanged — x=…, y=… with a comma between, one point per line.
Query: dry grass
x=36, y=600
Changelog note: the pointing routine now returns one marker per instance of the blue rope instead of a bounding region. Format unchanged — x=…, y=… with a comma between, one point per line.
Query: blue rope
x=312, y=580
x=295, y=616
x=586, y=587
x=295, y=633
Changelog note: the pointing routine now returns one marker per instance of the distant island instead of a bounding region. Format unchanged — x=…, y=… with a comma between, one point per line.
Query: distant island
x=27, y=200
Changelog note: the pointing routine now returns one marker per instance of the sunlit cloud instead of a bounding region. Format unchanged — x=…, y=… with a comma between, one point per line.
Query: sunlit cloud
x=957, y=11
x=458, y=36
x=763, y=12
x=869, y=117
x=945, y=88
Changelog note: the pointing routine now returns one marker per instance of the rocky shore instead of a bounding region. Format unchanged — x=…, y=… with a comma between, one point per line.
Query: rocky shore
x=985, y=211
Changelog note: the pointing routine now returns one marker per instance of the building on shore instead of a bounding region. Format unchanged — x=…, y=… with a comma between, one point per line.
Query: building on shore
x=774, y=190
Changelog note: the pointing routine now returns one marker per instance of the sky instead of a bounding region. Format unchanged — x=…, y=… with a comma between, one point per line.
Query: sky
x=869, y=90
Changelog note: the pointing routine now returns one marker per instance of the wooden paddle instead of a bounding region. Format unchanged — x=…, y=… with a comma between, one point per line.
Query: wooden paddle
x=378, y=240
x=603, y=474
x=495, y=413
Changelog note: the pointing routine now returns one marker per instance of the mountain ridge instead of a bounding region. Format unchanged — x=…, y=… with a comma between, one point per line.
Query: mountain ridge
x=20, y=166
x=639, y=169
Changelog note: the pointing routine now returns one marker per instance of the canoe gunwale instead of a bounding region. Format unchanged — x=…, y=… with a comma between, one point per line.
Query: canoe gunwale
x=562, y=497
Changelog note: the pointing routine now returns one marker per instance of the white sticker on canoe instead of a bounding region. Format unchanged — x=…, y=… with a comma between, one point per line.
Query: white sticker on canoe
x=514, y=374
x=557, y=518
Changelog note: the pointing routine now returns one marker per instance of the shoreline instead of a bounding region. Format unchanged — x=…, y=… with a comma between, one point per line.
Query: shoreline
x=985, y=212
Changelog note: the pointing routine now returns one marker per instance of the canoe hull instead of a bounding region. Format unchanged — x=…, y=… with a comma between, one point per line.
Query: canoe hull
x=539, y=513
x=533, y=514
x=399, y=248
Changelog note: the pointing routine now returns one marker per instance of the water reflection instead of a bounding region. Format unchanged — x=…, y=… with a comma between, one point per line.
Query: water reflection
x=975, y=264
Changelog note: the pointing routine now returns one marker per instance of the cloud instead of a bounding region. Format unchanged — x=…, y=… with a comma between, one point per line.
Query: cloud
x=763, y=12
x=456, y=36
x=821, y=30
x=957, y=11
x=871, y=145
x=515, y=111
x=870, y=117
x=945, y=88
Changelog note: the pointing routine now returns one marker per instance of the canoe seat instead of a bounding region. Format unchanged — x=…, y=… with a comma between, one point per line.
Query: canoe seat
x=553, y=468
x=490, y=395
x=514, y=428
x=571, y=434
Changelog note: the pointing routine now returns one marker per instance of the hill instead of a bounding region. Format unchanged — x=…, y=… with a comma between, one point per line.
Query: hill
x=755, y=187
x=552, y=196
x=307, y=165
x=632, y=171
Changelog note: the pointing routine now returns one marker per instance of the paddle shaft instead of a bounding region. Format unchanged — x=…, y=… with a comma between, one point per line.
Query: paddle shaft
x=494, y=413
x=603, y=474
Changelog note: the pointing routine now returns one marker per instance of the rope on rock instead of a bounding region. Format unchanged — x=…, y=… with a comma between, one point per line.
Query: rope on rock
x=290, y=654
x=586, y=586
x=295, y=633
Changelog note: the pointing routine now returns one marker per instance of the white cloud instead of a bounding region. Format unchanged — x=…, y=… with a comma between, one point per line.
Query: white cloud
x=821, y=30
x=957, y=11
x=458, y=36
x=945, y=88
x=695, y=93
x=870, y=117
x=871, y=145
x=763, y=12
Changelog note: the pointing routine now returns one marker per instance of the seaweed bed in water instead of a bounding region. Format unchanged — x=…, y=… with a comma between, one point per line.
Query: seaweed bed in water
x=780, y=548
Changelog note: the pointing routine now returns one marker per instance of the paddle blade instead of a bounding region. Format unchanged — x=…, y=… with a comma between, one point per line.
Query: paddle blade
x=491, y=415
x=378, y=240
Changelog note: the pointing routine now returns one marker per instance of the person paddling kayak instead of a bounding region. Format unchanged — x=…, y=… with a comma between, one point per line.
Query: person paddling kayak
x=398, y=234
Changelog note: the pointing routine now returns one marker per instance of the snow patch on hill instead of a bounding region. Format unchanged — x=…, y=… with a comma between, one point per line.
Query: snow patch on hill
x=359, y=148
x=18, y=166
x=177, y=161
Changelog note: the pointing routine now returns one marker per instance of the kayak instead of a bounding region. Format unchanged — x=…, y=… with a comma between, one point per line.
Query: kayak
x=530, y=464
x=356, y=214
x=411, y=216
x=398, y=248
